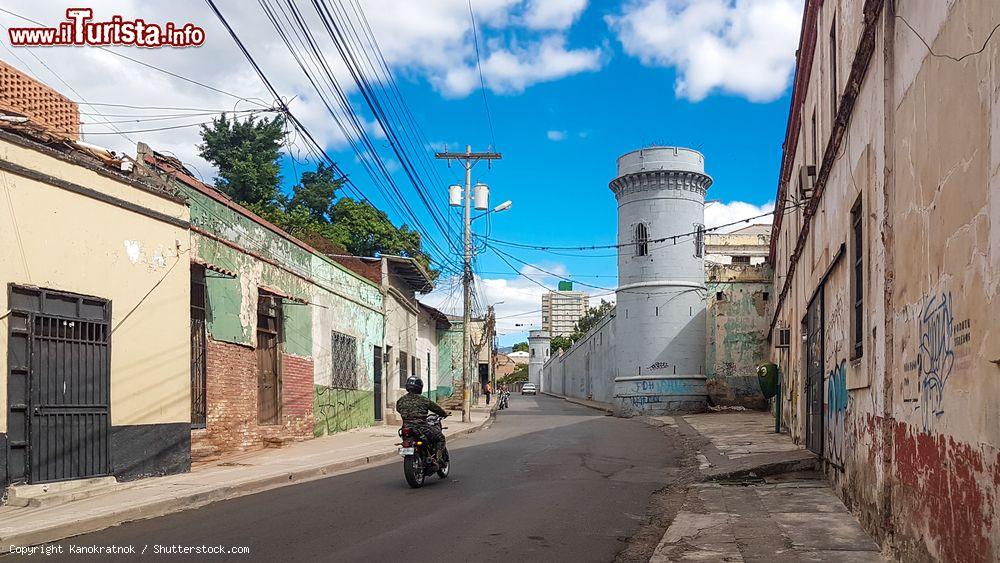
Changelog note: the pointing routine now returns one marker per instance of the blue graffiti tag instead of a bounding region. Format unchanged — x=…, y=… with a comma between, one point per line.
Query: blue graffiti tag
x=837, y=401
x=936, y=355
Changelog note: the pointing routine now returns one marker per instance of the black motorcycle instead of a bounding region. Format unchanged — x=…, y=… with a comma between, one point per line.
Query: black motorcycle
x=419, y=459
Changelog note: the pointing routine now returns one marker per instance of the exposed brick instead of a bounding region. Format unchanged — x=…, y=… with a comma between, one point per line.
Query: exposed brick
x=20, y=94
x=231, y=418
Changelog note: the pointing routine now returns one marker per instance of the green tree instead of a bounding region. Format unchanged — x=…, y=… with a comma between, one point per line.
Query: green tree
x=520, y=374
x=367, y=231
x=316, y=192
x=246, y=155
x=590, y=319
x=559, y=343
x=520, y=347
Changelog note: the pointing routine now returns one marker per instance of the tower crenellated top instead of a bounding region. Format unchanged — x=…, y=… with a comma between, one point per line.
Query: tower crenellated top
x=661, y=168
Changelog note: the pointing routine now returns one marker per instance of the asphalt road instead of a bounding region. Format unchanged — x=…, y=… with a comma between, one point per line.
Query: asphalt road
x=549, y=480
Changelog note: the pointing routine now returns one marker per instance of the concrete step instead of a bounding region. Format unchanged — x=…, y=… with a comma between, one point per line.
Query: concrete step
x=277, y=442
x=54, y=494
x=205, y=452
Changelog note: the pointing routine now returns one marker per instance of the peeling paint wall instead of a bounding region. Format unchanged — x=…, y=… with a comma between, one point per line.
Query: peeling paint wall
x=56, y=239
x=737, y=305
x=323, y=297
x=910, y=426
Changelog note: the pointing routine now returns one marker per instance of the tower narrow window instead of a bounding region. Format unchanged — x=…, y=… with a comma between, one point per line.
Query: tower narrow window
x=699, y=241
x=641, y=240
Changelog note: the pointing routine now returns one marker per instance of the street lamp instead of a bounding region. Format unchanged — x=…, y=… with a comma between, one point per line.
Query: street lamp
x=502, y=207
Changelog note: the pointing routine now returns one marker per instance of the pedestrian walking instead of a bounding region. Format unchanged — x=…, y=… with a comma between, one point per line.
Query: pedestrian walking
x=488, y=390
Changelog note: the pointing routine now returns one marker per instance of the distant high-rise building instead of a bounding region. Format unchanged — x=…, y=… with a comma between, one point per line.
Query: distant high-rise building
x=561, y=310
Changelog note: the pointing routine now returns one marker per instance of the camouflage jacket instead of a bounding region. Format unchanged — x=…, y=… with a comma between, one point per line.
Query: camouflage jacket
x=414, y=408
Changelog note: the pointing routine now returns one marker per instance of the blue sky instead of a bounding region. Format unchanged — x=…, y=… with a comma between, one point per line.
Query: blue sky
x=572, y=84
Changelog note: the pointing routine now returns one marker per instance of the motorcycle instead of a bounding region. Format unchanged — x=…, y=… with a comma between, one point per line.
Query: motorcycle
x=504, y=400
x=419, y=461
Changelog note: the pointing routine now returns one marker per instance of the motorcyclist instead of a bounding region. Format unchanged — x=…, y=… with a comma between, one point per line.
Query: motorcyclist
x=414, y=407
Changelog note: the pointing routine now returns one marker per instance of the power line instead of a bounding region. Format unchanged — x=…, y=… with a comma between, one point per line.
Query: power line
x=482, y=81
x=147, y=65
x=311, y=143
x=356, y=131
x=656, y=240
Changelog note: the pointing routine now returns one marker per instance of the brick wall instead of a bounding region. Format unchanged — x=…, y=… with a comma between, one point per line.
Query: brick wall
x=231, y=421
x=22, y=95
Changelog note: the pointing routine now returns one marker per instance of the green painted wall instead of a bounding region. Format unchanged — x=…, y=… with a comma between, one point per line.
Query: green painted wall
x=449, y=361
x=337, y=410
x=337, y=300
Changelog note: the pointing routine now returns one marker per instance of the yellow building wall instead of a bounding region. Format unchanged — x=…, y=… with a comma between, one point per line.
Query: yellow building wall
x=56, y=239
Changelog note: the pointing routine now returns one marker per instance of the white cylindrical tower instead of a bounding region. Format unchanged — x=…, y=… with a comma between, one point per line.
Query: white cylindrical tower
x=538, y=354
x=660, y=312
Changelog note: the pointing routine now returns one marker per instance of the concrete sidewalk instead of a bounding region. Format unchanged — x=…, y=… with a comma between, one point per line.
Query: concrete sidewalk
x=230, y=477
x=741, y=444
x=762, y=499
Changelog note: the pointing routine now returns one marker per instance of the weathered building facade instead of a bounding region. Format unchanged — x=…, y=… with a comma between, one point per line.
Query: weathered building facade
x=738, y=287
x=887, y=268
x=94, y=352
x=284, y=340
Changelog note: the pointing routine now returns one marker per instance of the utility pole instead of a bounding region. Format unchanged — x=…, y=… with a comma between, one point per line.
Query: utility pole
x=469, y=159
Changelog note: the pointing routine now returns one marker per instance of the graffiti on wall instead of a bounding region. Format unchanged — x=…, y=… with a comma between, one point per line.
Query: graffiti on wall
x=837, y=401
x=937, y=356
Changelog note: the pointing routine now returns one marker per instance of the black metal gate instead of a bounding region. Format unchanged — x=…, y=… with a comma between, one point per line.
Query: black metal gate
x=58, y=386
x=378, y=383
x=199, y=341
x=814, y=375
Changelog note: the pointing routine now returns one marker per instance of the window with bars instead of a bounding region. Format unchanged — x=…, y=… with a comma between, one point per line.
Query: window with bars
x=699, y=241
x=344, y=361
x=198, y=346
x=741, y=259
x=402, y=369
x=641, y=240
x=857, y=281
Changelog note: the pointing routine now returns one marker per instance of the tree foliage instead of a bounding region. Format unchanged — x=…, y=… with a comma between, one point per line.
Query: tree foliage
x=520, y=374
x=559, y=343
x=520, y=347
x=247, y=152
x=590, y=319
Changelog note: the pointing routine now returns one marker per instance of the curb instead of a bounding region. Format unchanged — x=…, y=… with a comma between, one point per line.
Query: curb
x=763, y=469
x=198, y=499
x=608, y=410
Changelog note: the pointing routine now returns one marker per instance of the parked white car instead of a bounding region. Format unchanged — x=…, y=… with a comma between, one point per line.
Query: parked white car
x=529, y=389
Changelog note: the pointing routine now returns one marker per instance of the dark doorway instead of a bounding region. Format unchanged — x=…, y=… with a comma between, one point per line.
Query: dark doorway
x=378, y=383
x=198, y=346
x=268, y=363
x=58, y=386
x=814, y=374
x=484, y=376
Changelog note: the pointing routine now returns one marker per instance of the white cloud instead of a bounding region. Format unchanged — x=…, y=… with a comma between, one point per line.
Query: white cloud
x=718, y=213
x=513, y=70
x=517, y=300
x=431, y=40
x=555, y=135
x=743, y=47
x=553, y=14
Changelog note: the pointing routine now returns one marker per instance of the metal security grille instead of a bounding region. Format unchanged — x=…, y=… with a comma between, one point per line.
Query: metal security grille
x=402, y=369
x=814, y=375
x=59, y=387
x=344, y=357
x=198, y=345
